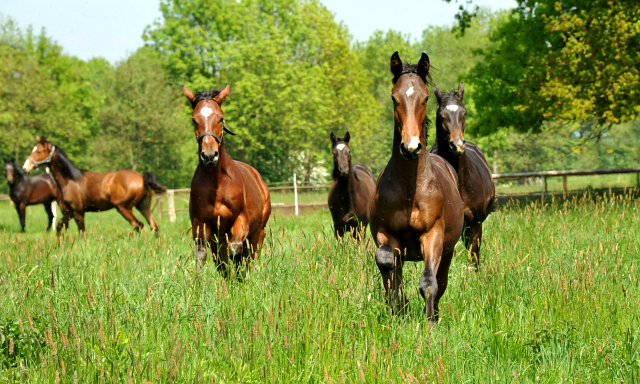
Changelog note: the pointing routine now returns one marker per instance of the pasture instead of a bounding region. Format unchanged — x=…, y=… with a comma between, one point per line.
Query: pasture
x=555, y=300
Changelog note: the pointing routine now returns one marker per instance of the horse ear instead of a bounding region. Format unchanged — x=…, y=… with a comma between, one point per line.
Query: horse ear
x=333, y=137
x=38, y=138
x=347, y=137
x=222, y=95
x=437, y=92
x=396, y=64
x=460, y=90
x=188, y=94
x=423, y=67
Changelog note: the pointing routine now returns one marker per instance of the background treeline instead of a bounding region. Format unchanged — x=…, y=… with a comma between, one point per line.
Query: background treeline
x=546, y=88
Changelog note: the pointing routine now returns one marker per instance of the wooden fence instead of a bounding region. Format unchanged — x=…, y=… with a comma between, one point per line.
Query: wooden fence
x=304, y=207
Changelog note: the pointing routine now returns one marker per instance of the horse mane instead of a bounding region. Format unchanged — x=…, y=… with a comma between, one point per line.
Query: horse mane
x=412, y=68
x=68, y=169
x=205, y=95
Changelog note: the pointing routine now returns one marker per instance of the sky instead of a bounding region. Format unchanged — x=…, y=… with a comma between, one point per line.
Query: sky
x=113, y=29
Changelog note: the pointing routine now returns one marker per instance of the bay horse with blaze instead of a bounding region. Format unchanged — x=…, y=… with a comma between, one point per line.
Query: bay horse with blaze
x=25, y=190
x=351, y=190
x=475, y=181
x=230, y=203
x=416, y=212
x=87, y=191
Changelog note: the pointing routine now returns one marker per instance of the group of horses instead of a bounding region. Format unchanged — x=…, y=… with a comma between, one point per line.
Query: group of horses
x=421, y=204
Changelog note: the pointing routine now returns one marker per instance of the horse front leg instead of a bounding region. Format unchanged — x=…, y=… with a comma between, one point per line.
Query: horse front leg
x=49, y=210
x=237, y=247
x=431, y=244
x=390, y=266
x=202, y=237
x=64, y=222
x=22, y=213
x=472, y=240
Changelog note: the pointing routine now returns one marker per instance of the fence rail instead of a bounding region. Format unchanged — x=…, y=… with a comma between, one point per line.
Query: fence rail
x=171, y=209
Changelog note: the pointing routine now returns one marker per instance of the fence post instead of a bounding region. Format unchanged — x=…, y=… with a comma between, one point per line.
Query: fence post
x=172, y=206
x=638, y=180
x=295, y=193
x=160, y=206
x=545, y=183
x=564, y=185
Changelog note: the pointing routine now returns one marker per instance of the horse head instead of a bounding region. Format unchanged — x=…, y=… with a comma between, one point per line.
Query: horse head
x=410, y=95
x=341, y=153
x=450, y=121
x=9, y=169
x=41, y=155
x=208, y=120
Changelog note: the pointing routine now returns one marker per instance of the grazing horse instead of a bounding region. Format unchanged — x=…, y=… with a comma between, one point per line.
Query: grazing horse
x=475, y=181
x=416, y=212
x=230, y=204
x=351, y=190
x=86, y=191
x=25, y=190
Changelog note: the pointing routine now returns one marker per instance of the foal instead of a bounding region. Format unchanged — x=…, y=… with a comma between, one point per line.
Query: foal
x=351, y=191
x=230, y=204
x=86, y=191
x=416, y=212
x=475, y=181
x=25, y=190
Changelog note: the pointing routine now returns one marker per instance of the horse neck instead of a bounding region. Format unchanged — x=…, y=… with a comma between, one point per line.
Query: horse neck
x=346, y=184
x=61, y=168
x=409, y=169
x=221, y=168
x=443, y=146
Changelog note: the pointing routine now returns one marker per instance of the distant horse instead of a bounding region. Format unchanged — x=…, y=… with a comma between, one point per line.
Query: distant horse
x=351, y=191
x=86, y=191
x=416, y=212
x=230, y=204
x=475, y=181
x=25, y=190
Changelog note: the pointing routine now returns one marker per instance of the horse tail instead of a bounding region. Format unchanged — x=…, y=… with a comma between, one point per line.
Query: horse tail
x=151, y=183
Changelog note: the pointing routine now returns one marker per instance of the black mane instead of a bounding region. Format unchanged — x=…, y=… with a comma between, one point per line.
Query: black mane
x=412, y=68
x=68, y=169
x=204, y=95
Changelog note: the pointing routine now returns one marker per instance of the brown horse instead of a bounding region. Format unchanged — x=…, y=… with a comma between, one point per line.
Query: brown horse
x=86, y=191
x=416, y=212
x=475, y=181
x=230, y=204
x=25, y=190
x=351, y=190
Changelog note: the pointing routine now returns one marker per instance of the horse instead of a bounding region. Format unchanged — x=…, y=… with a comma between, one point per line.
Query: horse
x=87, y=191
x=416, y=211
x=25, y=191
x=351, y=190
x=475, y=181
x=230, y=203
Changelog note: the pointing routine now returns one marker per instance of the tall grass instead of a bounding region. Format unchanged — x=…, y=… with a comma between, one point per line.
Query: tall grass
x=555, y=300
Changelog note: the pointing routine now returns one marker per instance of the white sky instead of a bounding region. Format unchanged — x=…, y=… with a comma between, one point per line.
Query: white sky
x=113, y=29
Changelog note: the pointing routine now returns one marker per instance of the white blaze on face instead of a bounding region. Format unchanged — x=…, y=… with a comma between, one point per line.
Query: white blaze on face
x=206, y=111
x=413, y=144
x=452, y=108
x=340, y=147
x=410, y=91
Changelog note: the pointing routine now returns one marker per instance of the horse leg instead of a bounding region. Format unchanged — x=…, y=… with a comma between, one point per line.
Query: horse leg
x=47, y=208
x=79, y=218
x=472, y=238
x=22, y=213
x=127, y=213
x=64, y=221
x=144, y=206
x=255, y=243
x=475, y=244
x=431, y=244
x=390, y=266
x=442, y=276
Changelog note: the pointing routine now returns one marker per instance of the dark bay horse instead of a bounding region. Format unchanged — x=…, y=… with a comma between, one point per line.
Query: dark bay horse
x=25, y=190
x=416, y=212
x=230, y=204
x=86, y=191
x=475, y=181
x=351, y=190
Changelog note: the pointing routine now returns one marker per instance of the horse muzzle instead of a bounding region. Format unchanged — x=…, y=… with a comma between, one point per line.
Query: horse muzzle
x=457, y=147
x=28, y=165
x=411, y=151
x=209, y=160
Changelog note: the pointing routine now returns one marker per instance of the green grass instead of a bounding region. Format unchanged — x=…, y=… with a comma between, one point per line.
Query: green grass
x=555, y=300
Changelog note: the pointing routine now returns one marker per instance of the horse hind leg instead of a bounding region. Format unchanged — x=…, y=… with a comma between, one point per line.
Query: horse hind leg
x=127, y=213
x=144, y=206
x=472, y=239
x=22, y=214
x=49, y=210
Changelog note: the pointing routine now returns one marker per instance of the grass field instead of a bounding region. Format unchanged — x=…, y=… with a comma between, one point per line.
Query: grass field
x=555, y=300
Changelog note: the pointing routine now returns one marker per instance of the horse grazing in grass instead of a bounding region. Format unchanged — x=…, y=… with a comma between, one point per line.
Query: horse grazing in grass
x=230, y=204
x=25, y=190
x=351, y=190
x=475, y=181
x=86, y=191
x=416, y=212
